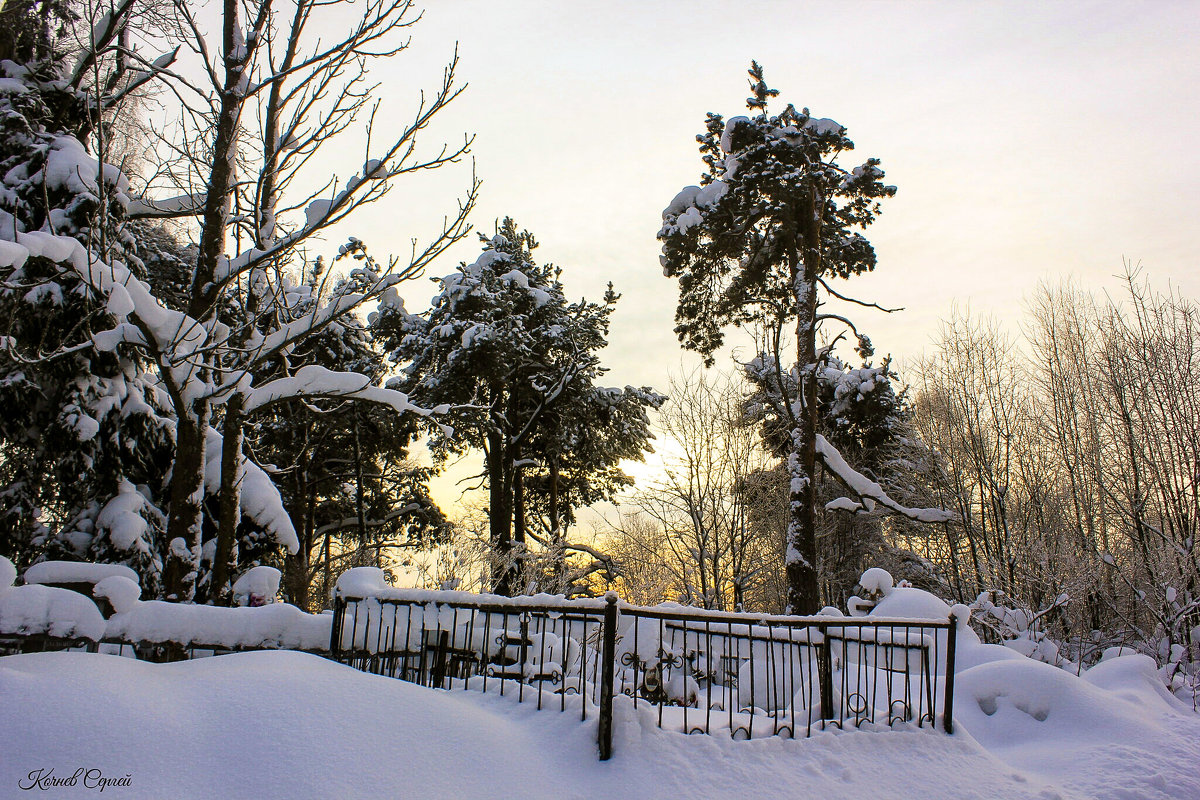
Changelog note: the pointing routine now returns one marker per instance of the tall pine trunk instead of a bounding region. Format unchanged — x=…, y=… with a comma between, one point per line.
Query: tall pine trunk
x=500, y=512
x=804, y=263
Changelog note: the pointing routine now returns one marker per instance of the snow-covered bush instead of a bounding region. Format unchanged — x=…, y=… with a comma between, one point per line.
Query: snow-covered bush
x=258, y=586
x=1020, y=628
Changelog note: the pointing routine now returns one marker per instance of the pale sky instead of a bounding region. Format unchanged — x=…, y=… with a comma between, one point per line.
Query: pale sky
x=1028, y=140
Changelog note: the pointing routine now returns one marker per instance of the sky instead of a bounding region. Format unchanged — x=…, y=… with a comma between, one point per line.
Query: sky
x=1029, y=142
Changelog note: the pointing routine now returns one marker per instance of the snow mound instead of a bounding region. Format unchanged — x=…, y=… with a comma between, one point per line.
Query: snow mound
x=120, y=592
x=257, y=586
x=1111, y=734
x=258, y=719
x=278, y=625
x=362, y=582
x=911, y=603
x=8, y=574
x=876, y=581
x=1135, y=678
x=47, y=610
x=76, y=572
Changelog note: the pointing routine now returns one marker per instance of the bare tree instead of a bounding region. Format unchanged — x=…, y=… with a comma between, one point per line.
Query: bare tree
x=1074, y=462
x=702, y=511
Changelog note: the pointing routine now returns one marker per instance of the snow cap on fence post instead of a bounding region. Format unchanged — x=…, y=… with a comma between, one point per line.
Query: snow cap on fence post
x=121, y=593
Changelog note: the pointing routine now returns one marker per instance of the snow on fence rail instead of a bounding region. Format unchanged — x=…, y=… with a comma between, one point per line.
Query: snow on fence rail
x=41, y=617
x=698, y=671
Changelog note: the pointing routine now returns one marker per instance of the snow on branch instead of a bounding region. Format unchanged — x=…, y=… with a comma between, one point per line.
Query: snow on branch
x=185, y=205
x=868, y=491
x=314, y=382
x=260, y=499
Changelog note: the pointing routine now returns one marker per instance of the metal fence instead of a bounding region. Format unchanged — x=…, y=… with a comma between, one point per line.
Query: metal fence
x=744, y=675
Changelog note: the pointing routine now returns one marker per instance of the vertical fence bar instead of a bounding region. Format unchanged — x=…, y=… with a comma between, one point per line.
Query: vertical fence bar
x=825, y=673
x=948, y=703
x=335, y=628
x=606, y=676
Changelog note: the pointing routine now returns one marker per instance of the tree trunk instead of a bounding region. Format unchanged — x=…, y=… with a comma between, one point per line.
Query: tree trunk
x=557, y=540
x=205, y=288
x=224, y=562
x=500, y=512
x=184, y=523
x=296, y=576
x=360, y=510
x=519, y=506
x=185, y=520
x=804, y=591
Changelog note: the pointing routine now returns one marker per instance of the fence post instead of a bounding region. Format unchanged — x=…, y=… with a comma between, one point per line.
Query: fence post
x=607, y=666
x=948, y=704
x=825, y=673
x=335, y=628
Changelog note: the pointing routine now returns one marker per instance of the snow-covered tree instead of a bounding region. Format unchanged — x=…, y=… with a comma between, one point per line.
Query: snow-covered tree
x=216, y=343
x=503, y=345
x=774, y=220
x=87, y=432
x=342, y=467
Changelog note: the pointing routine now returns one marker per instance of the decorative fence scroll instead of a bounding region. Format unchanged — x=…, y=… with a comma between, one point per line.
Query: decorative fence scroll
x=744, y=675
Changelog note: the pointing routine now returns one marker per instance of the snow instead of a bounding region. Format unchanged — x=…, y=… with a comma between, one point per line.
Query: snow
x=316, y=211
x=122, y=518
x=687, y=208
x=317, y=381
x=279, y=724
x=274, y=625
x=727, y=136
x=48, y=610
x=823, y=127
x=70, y=168
x=876, y=581
x=909, y=603
x=75, y=572
x=868, y=491
x=260, y=499
x=120, y=592
x=257, y=585
x=362, y=582
x=120, y=304
x=1111, y=733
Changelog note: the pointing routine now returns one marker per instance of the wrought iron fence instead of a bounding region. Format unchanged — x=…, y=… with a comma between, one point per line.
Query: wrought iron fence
x=745, y=675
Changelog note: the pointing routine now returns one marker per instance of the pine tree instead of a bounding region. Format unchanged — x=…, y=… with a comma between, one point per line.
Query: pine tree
x=502, y=344
x=775, y=218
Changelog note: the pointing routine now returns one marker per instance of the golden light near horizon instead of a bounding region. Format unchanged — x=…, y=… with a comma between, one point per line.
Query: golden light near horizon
x=1028, y=141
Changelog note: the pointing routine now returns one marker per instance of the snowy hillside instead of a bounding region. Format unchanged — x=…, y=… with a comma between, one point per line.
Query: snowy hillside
x=280, y=724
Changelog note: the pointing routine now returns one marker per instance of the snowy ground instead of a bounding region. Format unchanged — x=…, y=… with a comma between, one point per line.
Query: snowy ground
x=289, y=725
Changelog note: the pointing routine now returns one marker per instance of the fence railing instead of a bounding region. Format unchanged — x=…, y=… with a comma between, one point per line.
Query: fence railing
x=745, y=675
